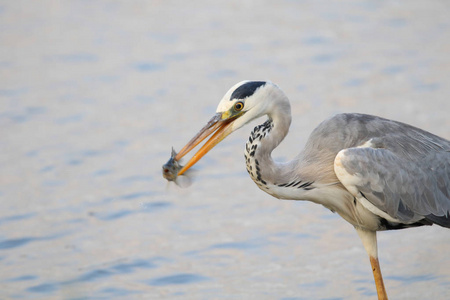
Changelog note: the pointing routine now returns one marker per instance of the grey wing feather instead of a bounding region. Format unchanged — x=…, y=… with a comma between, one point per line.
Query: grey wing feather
x=406, y=189
x=402, y=170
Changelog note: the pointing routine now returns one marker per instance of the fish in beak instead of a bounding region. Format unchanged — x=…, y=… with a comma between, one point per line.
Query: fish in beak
x=218, y=128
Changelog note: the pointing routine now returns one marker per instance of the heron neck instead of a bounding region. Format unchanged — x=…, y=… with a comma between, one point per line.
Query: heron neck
x=280, y=120
x=262, y=141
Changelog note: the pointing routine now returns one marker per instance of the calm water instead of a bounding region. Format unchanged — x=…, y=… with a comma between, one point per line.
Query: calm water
x=93, y=95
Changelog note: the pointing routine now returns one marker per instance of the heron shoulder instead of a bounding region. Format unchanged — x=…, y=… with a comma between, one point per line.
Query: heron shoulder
x=349, y=130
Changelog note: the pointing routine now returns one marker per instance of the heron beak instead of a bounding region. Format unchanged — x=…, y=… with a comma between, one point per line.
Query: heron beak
x=219, y=126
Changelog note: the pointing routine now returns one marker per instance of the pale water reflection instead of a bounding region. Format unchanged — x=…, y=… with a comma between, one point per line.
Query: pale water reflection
x=93, y=95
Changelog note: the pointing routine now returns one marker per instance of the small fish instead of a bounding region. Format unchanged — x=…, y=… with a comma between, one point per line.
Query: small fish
x=171, y=168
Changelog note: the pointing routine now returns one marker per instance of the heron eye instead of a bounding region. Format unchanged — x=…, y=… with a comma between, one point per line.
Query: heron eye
x=239, y=106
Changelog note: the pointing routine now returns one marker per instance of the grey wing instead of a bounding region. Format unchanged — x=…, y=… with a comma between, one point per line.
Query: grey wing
x=405, y=188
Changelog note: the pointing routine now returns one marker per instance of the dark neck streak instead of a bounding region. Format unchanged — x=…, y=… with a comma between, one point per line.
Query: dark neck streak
x=263, y=139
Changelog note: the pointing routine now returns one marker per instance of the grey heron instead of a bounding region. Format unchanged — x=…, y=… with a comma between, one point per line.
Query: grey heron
x=376, y=173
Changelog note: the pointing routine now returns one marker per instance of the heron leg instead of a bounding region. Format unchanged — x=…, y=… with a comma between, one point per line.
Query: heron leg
x=381, y=290
x=369, y=239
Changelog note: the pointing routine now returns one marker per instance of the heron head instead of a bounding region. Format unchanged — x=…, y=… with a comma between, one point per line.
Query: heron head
x=242, y=103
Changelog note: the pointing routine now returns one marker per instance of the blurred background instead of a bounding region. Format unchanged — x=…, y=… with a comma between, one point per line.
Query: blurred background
x=93, y=95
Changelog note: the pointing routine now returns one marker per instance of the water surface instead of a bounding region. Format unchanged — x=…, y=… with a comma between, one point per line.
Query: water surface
x=93, y=95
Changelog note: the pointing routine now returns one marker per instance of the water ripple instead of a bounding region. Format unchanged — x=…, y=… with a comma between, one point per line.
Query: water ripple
x=13, y=92
x=116, y=269
x=315, y=40
x=132, y=266
x=394, y=69
x=16, y=218
x=182, y=278
x=354, y=82
x=116, y=292
x=149, y=207
x=43, y=288
x=148, y=67
x=18, y=242
x=73, y=58
x=74, y=118
x=242, y=245
x=412, y=278
x=14, y=243
x=23, y=278
x=324, y=58
x=94, y=275
x=114, y=215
